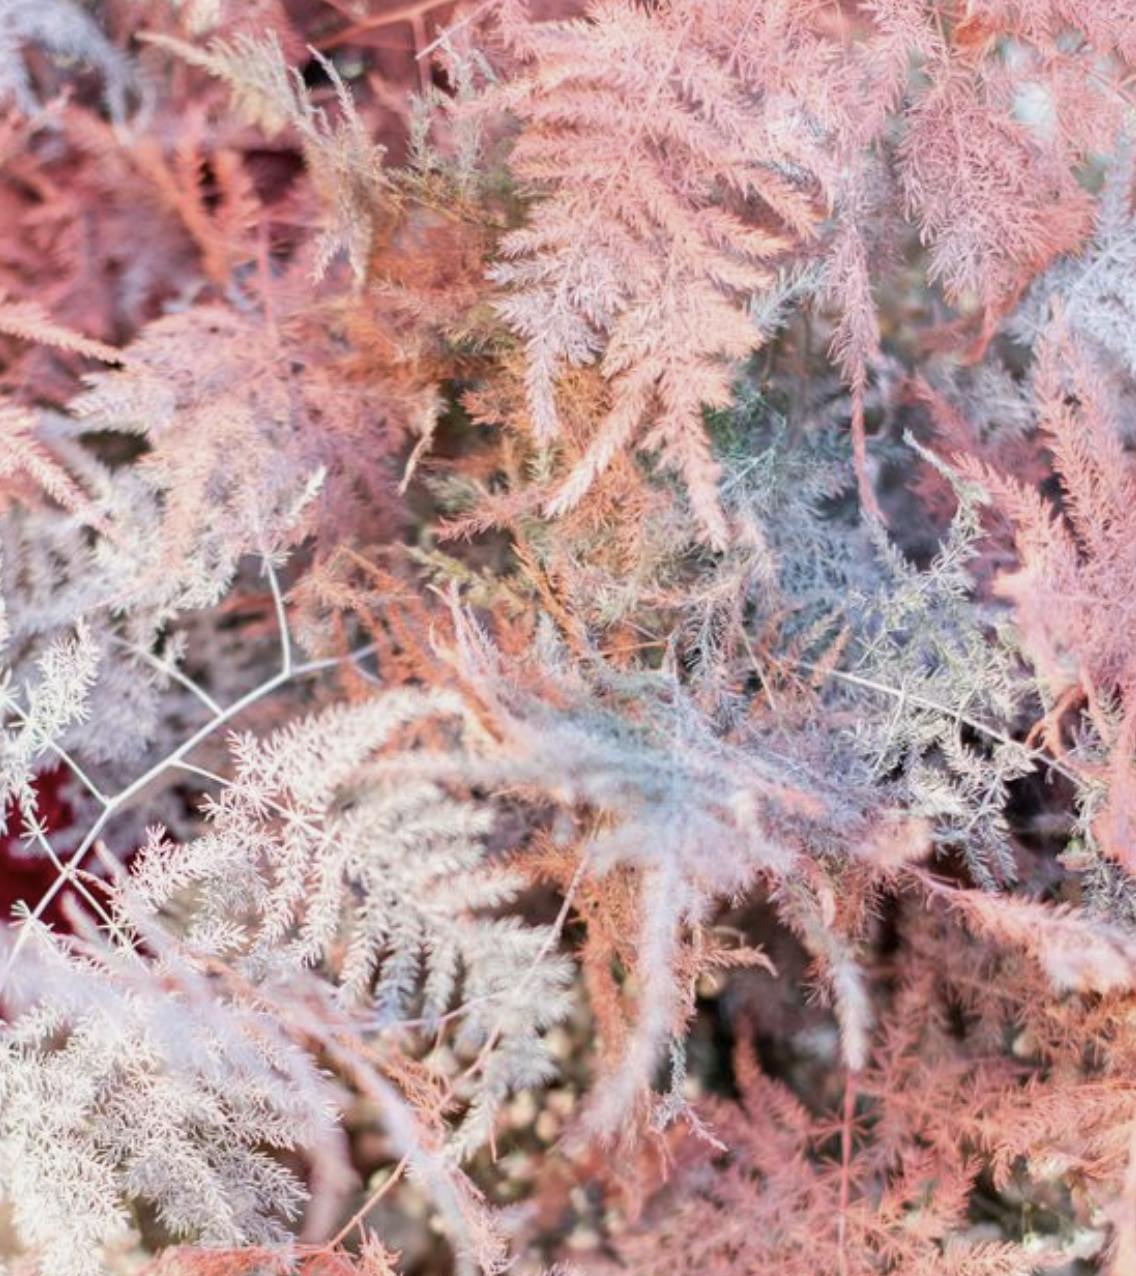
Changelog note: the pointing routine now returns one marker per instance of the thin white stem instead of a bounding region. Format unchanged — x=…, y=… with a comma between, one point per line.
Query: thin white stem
x=551, y=939
x=204, y=772
x=330, y=662
x=292, y=816
x=202, y=733
x=81, y=775
x=445, y=35
x=68, y=872
x=369, y=1204
x=438, y=1021
x=281, y=617
x=64, y=876
x=902, y=694
x=173, y=673
x=65, y=758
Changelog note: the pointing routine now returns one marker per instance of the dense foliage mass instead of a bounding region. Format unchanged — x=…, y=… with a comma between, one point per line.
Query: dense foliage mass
x=569, y=699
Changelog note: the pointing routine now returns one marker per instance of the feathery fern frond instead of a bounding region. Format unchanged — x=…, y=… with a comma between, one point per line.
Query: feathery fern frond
x=671, y=182
x=114, y=1094
x=345, y=163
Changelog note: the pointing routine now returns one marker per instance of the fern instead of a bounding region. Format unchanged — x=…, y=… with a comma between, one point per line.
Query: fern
x=564, y=599
x=650, y=143
x=108, y=1098
x=919, y=644
x=308, y=861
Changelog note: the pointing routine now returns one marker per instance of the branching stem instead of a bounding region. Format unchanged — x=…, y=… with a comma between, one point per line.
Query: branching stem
x=113, y=805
